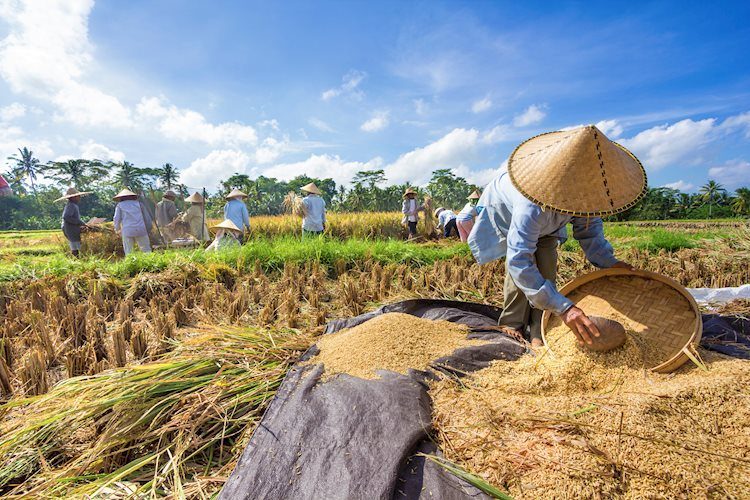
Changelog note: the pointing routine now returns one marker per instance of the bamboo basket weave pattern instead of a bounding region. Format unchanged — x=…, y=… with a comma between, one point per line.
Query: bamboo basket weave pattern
x=655, y=306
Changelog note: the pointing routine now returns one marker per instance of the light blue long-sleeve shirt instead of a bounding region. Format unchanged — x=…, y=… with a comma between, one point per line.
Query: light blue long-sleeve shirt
x=315, y=213
x=509, y=225
x=445, y=217
x=236, y=211
x=132, y=219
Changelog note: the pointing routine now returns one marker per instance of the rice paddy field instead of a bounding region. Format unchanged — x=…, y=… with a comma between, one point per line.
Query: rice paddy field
x=146, y=375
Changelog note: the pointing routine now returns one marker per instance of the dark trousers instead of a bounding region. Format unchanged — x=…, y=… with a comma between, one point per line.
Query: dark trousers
x=412, y=228
x=450, y=227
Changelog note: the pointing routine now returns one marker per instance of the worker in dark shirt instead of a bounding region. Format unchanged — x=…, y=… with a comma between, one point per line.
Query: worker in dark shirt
x=71, y=219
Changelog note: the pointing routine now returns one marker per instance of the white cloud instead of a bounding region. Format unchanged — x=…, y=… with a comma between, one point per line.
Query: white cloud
x=455, y=149
x=321, y=166
x=320, y=125
x=732, y=174
x=12, y=111
x=533, y=115
x=218, y=164
x=12, y=138
x=188, y=125
x=611, y=128
x=680, y=186
x=349, y=86
x=46, y=55
x=478, y=177
x=420, y=106
x=741, y=122
x=273, y=124
x=665, y=145
x=481, y=105
x=93, y=151
x=271, y=149
x=498, y=133
x=379, y=121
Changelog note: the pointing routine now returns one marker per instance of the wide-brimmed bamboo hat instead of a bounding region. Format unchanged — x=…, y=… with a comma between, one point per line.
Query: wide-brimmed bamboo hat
x=236, y=193
x=72, y=192
x=169, y=194
x=195, y=198
x=409, y=191
x=577, y=172
x=437, y=211
x=227, y=224
x=311, y=188
x=124, y=194
x=474, y=196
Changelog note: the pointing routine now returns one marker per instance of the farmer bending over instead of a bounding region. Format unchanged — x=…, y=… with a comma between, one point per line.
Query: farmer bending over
x=573, y=176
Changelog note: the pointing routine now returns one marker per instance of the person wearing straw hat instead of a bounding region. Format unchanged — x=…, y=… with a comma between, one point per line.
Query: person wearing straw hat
x=447, y=220
x=227, y=235
x=236, y=210
x=195, y=216
x=465, y=218
x=132, y=222
x=411, y=208
x=313, y=211
x=166, y=213
x=71, y=219
x=570, y=176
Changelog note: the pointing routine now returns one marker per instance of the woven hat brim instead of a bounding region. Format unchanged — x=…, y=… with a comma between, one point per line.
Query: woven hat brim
x=551, y=205
x=68, y=196
x=226, y=224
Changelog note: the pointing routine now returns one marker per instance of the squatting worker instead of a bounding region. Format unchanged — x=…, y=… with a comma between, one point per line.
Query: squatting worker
x=166, y=213
x=71, y=219
x=313, y=211
x=572, y=176
x=227, y=235
x=195, y=216
x=410, y=208
x=132, y=222
x=465, y=218
x=236, y=211
x=447, y=220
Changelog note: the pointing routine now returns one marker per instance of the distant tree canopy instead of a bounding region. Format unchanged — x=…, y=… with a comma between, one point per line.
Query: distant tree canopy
x=34, y=208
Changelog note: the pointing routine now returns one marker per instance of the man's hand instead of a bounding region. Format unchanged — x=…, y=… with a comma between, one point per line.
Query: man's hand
x=623, y=265
x=581, y=325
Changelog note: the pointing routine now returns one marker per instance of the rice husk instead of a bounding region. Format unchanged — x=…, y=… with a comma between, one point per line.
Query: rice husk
x=392, y=341
x=570, y=423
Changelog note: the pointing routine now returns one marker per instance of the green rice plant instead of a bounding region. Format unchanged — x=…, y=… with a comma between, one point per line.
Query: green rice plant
x=159, y=425
x=470, y=478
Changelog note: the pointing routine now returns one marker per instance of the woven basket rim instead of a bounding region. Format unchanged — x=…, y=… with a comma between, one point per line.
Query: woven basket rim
x=668, y=365
x=598, y=213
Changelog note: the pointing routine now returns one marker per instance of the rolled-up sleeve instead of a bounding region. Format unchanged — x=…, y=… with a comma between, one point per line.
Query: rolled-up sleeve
x=523, y=235
x=590, y=234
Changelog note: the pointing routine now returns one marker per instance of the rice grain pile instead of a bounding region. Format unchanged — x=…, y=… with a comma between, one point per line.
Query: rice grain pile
x=393, y=341
x=580, y=424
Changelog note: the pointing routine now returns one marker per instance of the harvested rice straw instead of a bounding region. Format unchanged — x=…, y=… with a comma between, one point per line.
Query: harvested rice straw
x=429, y=220
x=579, y=424
x=393, y=341
x=293, y=204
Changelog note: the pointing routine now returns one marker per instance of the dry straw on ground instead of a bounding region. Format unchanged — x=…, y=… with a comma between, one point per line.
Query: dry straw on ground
x=393, y=341
x=598, y=425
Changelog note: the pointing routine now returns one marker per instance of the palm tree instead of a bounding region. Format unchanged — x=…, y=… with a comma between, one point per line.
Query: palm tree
x=128, y=175
x=741, y=203
x=710, y=192
x=168, y=175
x=75, y=172
x=26, y=166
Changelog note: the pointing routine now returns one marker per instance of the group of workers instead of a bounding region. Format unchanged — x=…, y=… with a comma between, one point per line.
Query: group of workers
x=551, y=180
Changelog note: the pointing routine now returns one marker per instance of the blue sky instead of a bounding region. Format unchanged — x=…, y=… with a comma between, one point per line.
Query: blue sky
x=330, y=88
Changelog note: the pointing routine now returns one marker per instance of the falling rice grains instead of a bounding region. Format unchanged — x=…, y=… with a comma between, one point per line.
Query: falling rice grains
x=393, y=341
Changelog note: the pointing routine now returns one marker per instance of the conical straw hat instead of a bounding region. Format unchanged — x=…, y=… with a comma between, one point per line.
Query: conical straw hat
x=235, y=194
x=474, y=196
x=72, y=192
x=170, y=193
x=227, y=224
x=409, y=191
x=124, y=193
x=577, y=172
x=195, y=198
x=311, y=188
x=437, y=211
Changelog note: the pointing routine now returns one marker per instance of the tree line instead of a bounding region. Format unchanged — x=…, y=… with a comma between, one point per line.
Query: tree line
x=33, y=207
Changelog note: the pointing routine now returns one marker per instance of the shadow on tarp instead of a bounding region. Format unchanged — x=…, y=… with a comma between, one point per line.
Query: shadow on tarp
x=350, y=438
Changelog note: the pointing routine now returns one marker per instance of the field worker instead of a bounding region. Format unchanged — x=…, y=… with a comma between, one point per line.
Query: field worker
x=572, y=176
x=447, y=220
x=236, y=210
x=132, y=222
x=71, y=219
x=196, y=217
x=313, y=210
x=465, y=218
x=166, y=213
x=227, y=235
x=411, y=208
